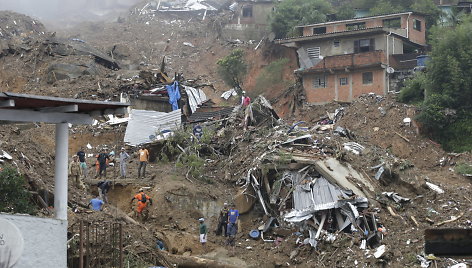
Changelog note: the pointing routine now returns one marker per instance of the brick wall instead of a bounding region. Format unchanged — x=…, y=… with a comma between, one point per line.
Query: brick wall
x=335, y=91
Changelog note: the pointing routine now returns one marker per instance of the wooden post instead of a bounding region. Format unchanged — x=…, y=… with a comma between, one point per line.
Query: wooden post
x=81, y=245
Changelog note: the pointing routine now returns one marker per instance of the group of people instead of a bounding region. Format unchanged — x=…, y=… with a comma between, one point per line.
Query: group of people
x=78, y=166
x=227, y=225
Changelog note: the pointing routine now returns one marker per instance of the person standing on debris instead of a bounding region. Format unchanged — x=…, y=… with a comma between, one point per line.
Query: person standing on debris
x=103, y=188
x=75, y=171
x=124, y=156
x=203, y=232
x=143, y=160
x=83, y=163
x=102, y=162
x=223, y=221
x=96, y=203
x=143, y=200
x=233, y=216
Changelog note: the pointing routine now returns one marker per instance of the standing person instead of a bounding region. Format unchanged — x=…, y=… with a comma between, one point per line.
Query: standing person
x=223, y=221
x=103, y=188
x=75, y=171
x=203, y=232
x=124, y=156
x=102, y=162
x=198, y=132
x=83, y=163
x=143, y=200
x=143, y=160
x=96, y=203
x=233, y=216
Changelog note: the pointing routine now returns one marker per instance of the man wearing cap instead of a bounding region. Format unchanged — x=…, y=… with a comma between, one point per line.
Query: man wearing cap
x=143, y=200
x=143, y=160
x=75, y=171
x=124, y=156
x=223, y=220
x=203, y=231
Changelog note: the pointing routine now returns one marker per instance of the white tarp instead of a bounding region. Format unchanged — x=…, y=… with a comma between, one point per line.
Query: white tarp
x=195, y=97
x=148, y=126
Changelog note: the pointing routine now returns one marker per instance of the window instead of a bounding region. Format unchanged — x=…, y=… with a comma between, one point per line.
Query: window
x=355, y=26
x=313, y=52
x=364, y=45
x=247, y=11
x=343, y=81
x=417, y=25
x=336, y=43
x=392, y=23
x=319, y=30
x=367, y=78
x=319, y=81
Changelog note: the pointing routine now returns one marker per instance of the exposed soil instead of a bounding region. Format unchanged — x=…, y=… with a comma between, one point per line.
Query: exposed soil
x=140, y=42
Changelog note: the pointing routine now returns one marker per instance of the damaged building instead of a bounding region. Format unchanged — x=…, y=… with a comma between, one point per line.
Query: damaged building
x=341, y=60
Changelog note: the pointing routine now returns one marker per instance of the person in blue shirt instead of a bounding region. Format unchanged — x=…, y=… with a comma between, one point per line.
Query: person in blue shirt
x=232, y=229
x=97, y=204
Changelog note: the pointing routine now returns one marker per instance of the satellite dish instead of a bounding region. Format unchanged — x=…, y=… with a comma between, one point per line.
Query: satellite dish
x=390, y=70
x=11, y=243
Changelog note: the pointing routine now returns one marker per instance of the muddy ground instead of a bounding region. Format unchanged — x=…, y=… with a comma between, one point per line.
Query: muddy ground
x=140, y=42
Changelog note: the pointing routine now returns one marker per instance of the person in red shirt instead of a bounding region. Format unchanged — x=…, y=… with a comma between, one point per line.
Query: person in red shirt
x=143, y=200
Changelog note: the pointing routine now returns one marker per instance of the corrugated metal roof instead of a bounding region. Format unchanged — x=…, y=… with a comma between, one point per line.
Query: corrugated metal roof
x=195, y=97
x=204, y=116
x=145, y=126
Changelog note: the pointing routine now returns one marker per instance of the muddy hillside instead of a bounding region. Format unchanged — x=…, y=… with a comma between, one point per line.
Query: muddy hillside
x=335, y=185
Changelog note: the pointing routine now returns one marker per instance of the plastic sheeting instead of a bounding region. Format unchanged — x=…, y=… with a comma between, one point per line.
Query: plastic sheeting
x=148, y=126
x=174, y=95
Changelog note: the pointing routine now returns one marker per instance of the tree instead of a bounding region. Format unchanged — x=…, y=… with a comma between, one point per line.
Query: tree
x=14, y=198
x=384, y=7
x=291, y=13
x=233, y=68
x=447, y=86
x=345, y=12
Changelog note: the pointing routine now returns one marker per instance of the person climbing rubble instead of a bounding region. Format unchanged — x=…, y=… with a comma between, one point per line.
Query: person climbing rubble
x=124, y=157
x=143, y=160
x=75, y=172
x=102, y=160
x=223, y=221
x=203, y=232
x=143, y=200
x=103, y=189
x=82, y=159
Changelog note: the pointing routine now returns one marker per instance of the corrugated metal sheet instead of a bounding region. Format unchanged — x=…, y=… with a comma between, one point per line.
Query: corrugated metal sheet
x=195, y=97
x=204, y=116
x=147, y=126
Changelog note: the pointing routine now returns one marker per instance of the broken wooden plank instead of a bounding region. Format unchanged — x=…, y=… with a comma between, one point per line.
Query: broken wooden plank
x=401, y=136
x=453, y=219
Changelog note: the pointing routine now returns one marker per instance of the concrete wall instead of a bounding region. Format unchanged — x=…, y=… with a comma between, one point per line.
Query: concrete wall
x=250, y=28
x=345, y=93
x=45, y=241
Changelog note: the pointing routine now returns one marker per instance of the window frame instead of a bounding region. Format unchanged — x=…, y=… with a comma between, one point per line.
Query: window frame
x=320, y=81
x=394, y=21
x=357, y=45
x=365, y=80
x=417, y=24
x=246, y=11
x=336, y=43
x=355, y=26
x=343, y=79
x=323, y=30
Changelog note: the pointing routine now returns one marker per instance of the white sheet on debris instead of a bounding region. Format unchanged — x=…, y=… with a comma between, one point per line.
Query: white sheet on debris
x=195, y=97
x=147, y=126
x=227, y=94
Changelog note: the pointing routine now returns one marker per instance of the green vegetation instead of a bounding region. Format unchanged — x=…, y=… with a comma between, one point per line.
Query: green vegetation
x=270, y=76
x=290, y=13
x=463, y=168
x=14, y=198
x=232, y=69
x=446, y=87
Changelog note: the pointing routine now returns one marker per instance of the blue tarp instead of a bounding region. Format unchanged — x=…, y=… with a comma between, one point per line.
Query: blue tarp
x=174, y=95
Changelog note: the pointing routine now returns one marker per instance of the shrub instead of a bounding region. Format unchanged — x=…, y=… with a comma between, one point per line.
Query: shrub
x=464, y=168
x=14, y=198
x=271, y=75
